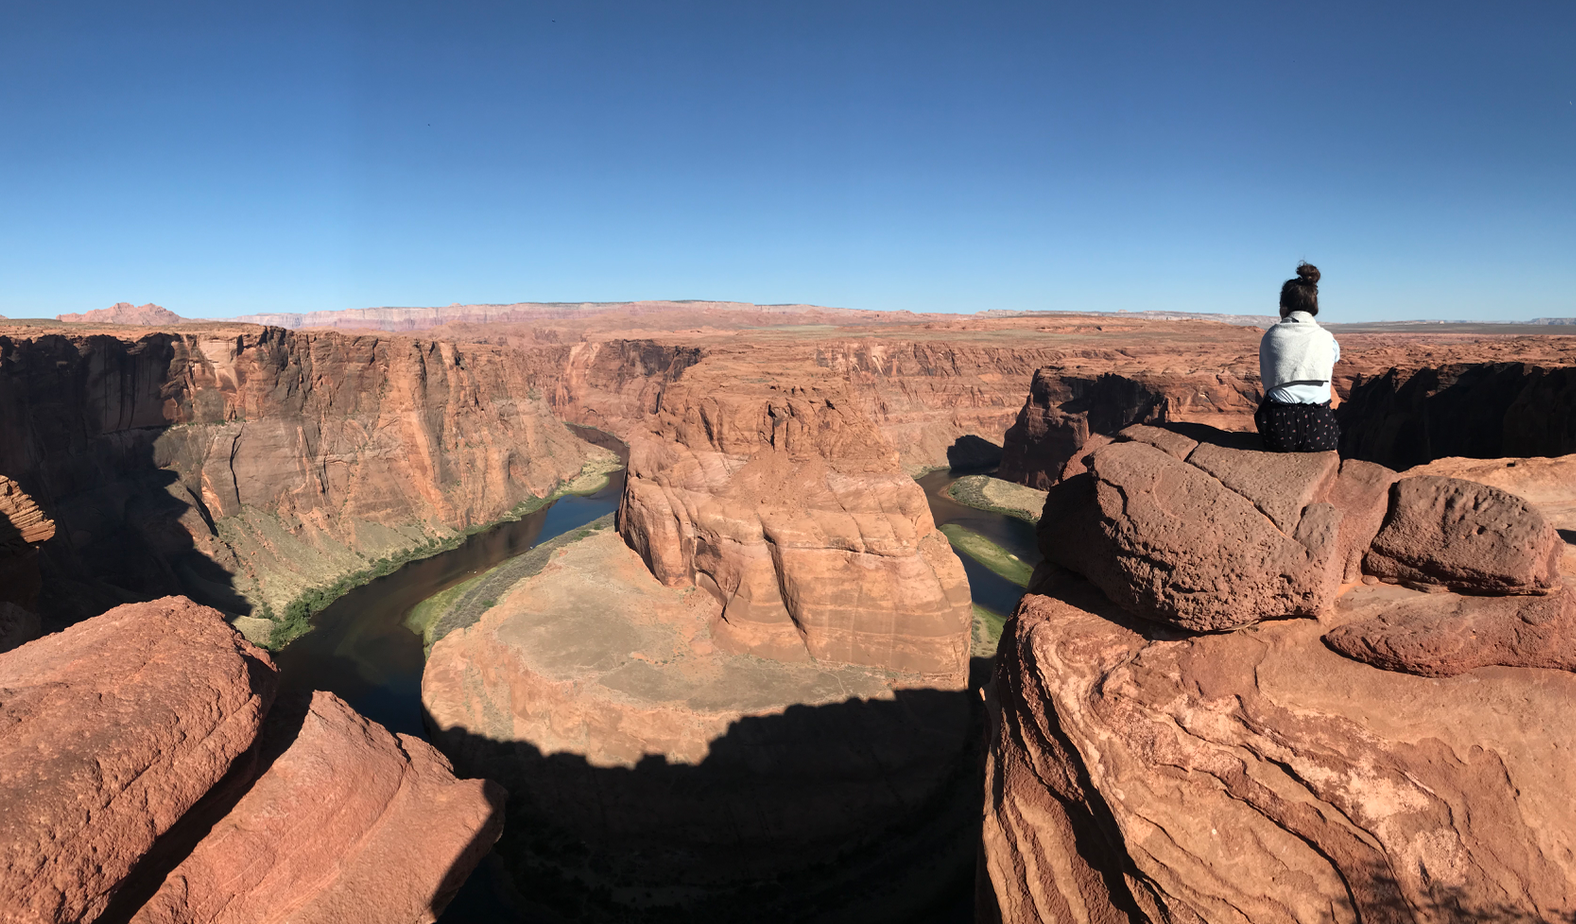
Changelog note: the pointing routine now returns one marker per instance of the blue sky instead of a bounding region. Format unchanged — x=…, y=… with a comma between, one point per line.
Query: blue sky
x=221, y=159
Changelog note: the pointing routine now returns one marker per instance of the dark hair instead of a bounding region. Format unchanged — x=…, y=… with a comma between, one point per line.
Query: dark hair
x=1302, y=293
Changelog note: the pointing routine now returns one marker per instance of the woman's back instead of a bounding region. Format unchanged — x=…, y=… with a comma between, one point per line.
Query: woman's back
x=1296, y=364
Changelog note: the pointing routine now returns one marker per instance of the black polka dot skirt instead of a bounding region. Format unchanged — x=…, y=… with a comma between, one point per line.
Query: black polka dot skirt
x=1297, y=427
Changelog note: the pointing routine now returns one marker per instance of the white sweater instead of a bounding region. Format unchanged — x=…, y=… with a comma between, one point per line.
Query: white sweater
x=1296, y=360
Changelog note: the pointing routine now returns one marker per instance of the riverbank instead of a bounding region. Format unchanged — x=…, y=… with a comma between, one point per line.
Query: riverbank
x=275, y=631
x=994, y=495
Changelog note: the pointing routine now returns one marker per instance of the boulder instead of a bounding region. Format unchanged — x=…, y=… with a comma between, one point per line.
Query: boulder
x=349, y=823
x=1466, y=536
x=1135, y=774
x=1441, y=635
x=1171, y=542
x=109, y=732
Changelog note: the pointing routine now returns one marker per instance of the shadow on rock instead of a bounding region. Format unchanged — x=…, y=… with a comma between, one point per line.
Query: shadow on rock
x=86, y=418
x=864, y=810
x=973, y=454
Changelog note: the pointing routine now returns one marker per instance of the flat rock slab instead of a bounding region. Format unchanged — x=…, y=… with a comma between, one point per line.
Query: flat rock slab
x=349, y=824
x=1466, y=536
x=109, y=732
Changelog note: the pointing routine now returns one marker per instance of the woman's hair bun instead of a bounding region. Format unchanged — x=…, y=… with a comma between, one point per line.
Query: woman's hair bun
x=1308, y=273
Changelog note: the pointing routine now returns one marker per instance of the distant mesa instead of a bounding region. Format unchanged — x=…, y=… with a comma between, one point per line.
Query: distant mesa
x=149, y=315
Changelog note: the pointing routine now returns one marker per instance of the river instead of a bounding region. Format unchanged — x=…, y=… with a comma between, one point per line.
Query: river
x=360, y=649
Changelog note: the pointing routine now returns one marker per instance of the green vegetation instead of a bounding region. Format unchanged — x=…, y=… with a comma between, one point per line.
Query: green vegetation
x=463, y=604
x=988, y=553
x=297, y=618
x=987, y=631
x=1004, y=497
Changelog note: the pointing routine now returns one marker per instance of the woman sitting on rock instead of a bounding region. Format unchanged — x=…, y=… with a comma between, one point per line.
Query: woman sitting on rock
x=1296, y=360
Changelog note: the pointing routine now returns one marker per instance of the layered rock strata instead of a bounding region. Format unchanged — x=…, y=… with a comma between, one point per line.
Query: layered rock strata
x=654, y=773
x=246, y=467
x=23, y=527
x=1065, y=409
x=792, y=510
x=1258, y=776
x=1487, y=410
x=130, y=737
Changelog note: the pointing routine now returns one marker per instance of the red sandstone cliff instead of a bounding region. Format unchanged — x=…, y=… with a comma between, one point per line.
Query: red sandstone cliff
x=245, y=466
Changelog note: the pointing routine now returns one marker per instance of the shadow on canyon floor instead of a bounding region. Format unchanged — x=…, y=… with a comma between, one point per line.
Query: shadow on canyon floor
x=862, y=811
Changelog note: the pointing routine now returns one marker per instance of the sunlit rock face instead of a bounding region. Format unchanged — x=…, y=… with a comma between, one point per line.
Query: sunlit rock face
x=243, y=466
x=792, y=510
x=1392, y=759
x=149, y=774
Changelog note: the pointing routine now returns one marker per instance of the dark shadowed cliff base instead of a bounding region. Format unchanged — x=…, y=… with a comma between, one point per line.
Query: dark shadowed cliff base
x=754, y=832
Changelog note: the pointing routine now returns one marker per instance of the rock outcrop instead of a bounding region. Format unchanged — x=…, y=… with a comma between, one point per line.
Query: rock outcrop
x=1392, y=760
x=348, y=823
x=792, y=510
x=23, y=526
x=1065, y=409
x=129, y=736
x=653, y=772
x=1207, y=537
x=109, y=732
x=246, y=467
x=1258, y=776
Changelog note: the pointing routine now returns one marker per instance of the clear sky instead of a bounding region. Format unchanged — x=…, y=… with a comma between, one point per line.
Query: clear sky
x=227, y=158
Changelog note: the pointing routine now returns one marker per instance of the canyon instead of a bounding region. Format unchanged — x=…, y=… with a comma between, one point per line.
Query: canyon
x=753, y=688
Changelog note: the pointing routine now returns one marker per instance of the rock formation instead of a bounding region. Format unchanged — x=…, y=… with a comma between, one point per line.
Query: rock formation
x=109, y=732
x=127, y=734
x=1487, y=410
x=1465, y=536
x=792, y=510
x=1206, y=537
x=246, y=467
x=348, y=823
x=1258, y=776
x=650, y=769
x=149, y=315
x=1064, y=410
x=23, y=527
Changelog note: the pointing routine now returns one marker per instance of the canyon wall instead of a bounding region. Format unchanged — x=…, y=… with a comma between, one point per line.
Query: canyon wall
x=1066, y=407
x=248, y=466
x=1481, y=410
